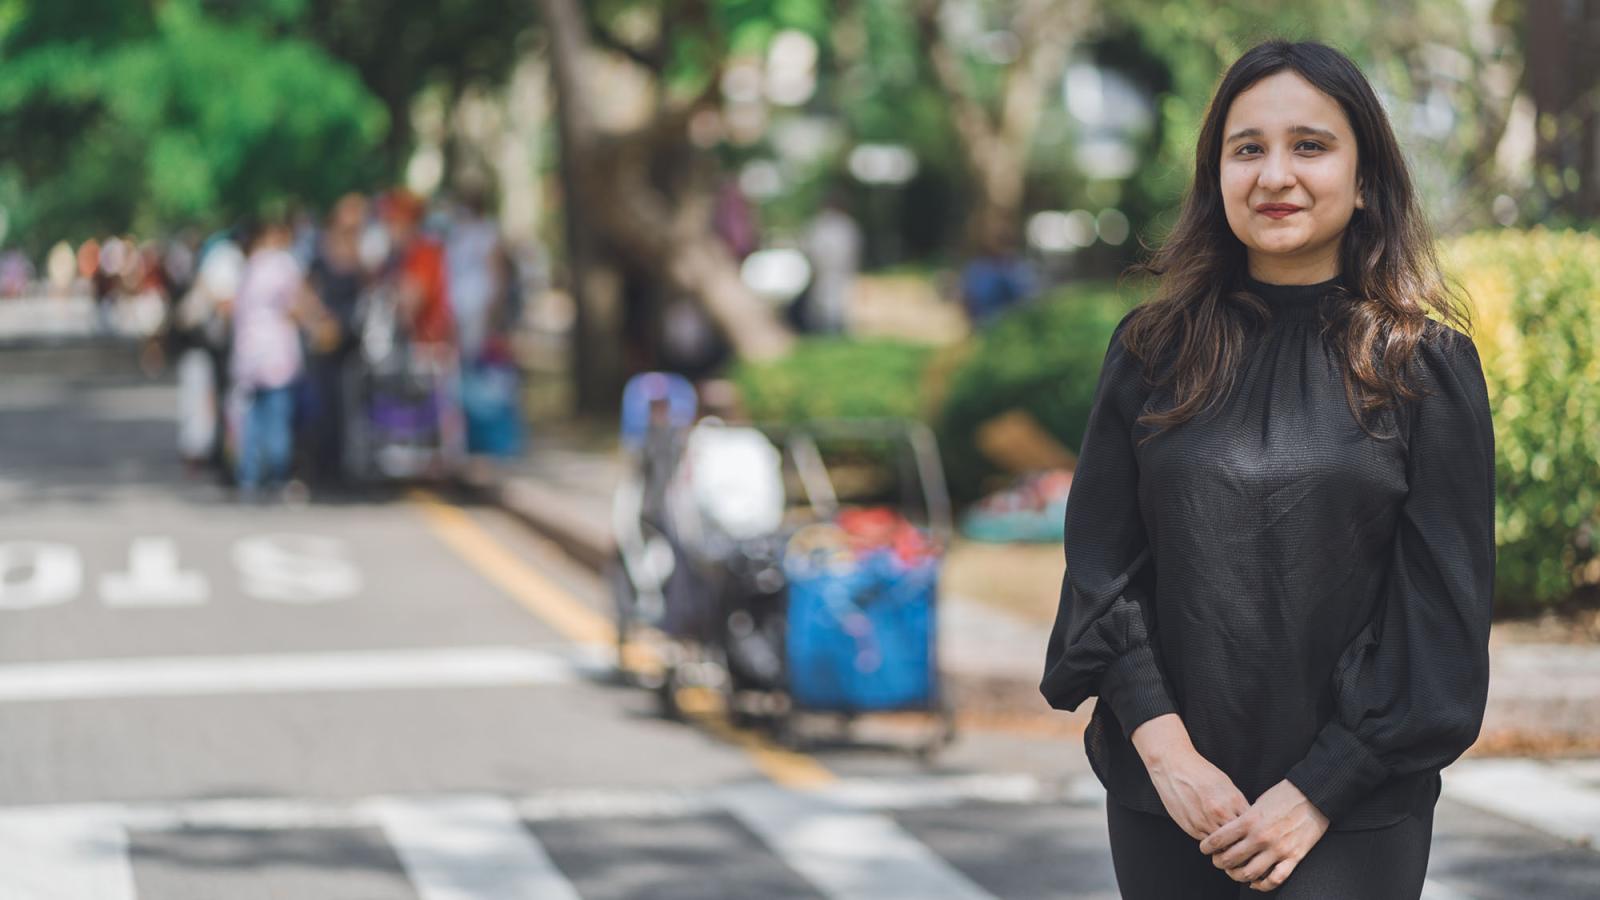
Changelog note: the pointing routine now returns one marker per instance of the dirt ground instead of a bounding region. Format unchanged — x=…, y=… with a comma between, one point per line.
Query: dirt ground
x=1021, y=579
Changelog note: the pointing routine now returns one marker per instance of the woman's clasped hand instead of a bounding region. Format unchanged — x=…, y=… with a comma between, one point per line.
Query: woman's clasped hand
x=1262, y=847
x=1256, y=844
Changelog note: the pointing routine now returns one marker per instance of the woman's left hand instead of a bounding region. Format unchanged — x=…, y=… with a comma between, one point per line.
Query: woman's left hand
x=1264, y=844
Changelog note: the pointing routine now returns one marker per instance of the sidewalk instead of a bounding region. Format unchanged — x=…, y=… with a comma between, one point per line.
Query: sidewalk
x=1543, y=698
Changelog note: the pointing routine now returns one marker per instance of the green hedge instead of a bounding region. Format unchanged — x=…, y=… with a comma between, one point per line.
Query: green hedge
x=828, y=378
x=1043, y=358
x=1536, y=297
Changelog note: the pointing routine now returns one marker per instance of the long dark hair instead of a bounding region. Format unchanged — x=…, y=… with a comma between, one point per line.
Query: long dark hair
x=1191, y=333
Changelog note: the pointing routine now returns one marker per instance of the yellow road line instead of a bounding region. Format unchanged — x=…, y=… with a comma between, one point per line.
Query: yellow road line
x=538, y=594
x=578, y=623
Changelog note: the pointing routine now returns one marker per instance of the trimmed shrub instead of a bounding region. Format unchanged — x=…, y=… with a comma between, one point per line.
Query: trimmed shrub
x=1043, y=358
x=827, y=378
x=1536, y=296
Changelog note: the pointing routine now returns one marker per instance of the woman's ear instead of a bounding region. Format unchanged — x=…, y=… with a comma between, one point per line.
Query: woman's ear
x=1361, y=195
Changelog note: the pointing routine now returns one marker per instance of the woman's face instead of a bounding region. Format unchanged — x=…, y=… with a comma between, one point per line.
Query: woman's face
x=1288, y=175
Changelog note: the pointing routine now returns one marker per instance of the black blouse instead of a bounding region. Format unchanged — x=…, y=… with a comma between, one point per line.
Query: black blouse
x=1312, y=601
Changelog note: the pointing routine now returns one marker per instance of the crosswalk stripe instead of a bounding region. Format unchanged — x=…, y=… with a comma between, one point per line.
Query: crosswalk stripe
x=1530, y=792
x=470, y=848
x=467, y=847
x=846, y=854
x=65, y=857
x=1433, y=890
x=294, y=672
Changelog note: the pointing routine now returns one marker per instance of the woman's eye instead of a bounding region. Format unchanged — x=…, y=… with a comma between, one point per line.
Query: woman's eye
x=1248, y=149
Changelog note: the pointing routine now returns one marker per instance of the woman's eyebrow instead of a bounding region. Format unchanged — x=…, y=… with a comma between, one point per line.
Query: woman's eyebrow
x=1312, y=130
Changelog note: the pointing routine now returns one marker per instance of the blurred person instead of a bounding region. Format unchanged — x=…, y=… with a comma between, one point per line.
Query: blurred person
x=202, y=328
x=61, y=269
x=997, y=279
x=267, y=357
x=336, y=278
x=178, y=258
x=304, y=244
x=106, y=279
x=833, y=243
x=16, y=273
x=726, y=499
x=475, y=261
x=1280, y=541
x=484, y=296
x=417, y=266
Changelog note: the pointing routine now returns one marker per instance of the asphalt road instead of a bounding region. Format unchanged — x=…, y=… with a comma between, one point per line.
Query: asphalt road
x=392, y=697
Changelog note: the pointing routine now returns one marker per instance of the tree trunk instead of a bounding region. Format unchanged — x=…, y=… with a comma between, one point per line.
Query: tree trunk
x=1564, y=78
x=996, y=145
x=670, y=236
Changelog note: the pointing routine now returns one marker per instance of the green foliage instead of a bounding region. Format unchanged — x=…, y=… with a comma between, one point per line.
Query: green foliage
x=156, y=119
x=828, y=378
x=1043, y=359
x=1537, y=300
x=1425, y=51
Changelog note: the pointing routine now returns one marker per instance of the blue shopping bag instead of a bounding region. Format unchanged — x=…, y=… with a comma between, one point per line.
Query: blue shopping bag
x=860, y=636
x=489, y=399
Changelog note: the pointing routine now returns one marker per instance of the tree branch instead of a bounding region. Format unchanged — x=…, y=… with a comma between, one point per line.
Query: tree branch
x=653, y=59
x=972, y=122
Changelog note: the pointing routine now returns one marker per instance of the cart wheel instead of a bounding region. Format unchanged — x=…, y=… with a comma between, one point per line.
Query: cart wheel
x=944, y=735
x=667, y=695
x=622, y=595
x=733, y=702
x=786, y=731
x=847, y=727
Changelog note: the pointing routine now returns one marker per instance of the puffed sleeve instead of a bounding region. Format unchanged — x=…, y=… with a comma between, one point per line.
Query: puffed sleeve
x=1100, y=644
x=1410, y=690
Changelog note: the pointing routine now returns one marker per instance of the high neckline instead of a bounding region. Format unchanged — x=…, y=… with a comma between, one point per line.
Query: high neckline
x=1293, y=301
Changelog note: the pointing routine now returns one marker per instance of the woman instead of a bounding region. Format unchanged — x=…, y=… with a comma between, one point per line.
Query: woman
x=1280, y=541
x=266, y=363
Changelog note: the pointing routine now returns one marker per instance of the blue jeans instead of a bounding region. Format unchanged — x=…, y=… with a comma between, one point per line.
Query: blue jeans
x=265, y=440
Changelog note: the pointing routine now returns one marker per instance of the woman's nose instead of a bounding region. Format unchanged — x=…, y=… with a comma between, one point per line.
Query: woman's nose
x=1277, y=172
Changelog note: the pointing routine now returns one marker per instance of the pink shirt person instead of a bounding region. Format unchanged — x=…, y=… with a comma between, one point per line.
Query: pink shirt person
x=266, y=343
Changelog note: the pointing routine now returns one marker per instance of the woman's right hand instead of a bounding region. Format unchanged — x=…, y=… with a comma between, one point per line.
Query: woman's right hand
x=1196, y=794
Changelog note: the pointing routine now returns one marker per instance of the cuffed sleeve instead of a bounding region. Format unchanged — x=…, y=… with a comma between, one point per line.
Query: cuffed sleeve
x=1101, y=641
x=1410, y=690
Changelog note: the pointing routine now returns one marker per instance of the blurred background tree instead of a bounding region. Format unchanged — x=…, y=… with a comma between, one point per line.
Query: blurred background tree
x=152, y=116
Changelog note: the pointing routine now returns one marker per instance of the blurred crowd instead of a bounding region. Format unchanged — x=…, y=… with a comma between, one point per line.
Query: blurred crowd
x=280, y=327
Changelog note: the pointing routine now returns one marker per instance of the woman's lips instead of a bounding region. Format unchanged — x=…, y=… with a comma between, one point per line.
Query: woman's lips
x=1277, y=212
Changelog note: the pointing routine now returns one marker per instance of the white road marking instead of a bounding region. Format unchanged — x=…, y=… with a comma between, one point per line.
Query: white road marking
x=846, y=854
x=54, y=573
x=470, y=848
x=154, y=578
x=296, y=568
x=65, y=857
x=1536, y=794
x=1433, y=890
x=921, y=792
x=256, y=674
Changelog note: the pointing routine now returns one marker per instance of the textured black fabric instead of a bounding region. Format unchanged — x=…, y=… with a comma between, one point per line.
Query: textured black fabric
x=1314, y=602
x=1155, y=860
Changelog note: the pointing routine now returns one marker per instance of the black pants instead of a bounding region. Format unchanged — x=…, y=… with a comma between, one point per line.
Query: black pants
x=1155, y=860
